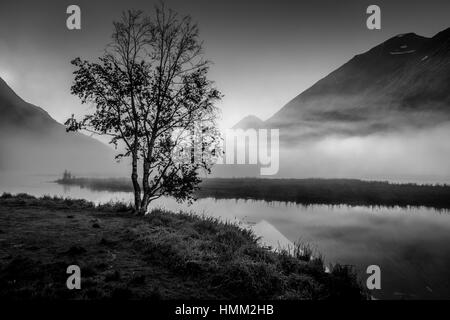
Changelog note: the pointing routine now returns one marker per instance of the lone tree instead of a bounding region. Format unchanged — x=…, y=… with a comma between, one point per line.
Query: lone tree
x=151, y=95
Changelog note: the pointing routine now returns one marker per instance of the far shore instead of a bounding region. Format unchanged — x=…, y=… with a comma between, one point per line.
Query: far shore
x=350, y=192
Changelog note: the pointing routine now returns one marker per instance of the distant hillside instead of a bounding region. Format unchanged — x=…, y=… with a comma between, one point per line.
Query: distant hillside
x=403, y=82
x=30, y=140
x=250, y=121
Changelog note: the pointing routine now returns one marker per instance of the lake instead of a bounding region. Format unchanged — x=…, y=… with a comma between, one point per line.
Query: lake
x=411, y=246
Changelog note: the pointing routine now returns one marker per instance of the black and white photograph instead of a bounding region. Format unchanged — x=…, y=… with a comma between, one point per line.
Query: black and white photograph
x=222, y=158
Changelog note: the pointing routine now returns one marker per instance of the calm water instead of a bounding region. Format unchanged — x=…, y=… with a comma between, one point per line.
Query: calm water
x=411, y=246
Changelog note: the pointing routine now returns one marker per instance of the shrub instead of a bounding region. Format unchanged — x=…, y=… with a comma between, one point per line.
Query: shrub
x=6, y=195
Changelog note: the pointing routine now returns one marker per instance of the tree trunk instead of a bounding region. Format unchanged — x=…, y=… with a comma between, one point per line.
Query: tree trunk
x=146, y=174
x=145, y=186
x=137, y=188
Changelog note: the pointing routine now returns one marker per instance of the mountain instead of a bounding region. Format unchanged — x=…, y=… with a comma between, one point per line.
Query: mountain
x=32, y=141
x=403, y=82
x=250, y=121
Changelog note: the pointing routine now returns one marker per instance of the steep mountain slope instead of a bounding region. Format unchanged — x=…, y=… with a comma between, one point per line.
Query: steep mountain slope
x=32, y=141
x=403, y=82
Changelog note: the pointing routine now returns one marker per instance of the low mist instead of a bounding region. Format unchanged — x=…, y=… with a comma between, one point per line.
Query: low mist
x=55, y=151
x=409, y=155
x=406, y=155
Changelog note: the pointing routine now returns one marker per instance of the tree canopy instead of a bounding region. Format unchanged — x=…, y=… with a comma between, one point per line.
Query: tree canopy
x=152, y=97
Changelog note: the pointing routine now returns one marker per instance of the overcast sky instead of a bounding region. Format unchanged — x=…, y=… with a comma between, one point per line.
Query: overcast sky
x=264, y=52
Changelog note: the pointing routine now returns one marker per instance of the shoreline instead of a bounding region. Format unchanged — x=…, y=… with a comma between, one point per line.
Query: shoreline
x=163, y=255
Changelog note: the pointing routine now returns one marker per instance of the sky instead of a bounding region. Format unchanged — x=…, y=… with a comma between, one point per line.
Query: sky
x=264, y=52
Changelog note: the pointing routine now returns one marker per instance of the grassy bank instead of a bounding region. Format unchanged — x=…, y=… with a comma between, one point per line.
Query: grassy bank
x=303, y=191
x=161, y=256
